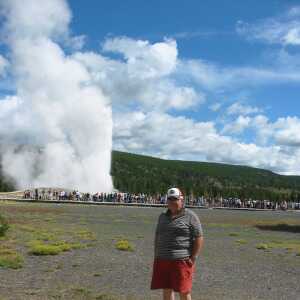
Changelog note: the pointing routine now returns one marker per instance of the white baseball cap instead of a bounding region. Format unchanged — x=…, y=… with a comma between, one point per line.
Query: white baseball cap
x=174, y=193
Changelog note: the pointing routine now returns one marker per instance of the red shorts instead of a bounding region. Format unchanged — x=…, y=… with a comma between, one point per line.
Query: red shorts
x=172, y=274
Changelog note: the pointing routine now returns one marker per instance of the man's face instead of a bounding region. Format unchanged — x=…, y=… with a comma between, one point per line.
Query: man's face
x=174, y=204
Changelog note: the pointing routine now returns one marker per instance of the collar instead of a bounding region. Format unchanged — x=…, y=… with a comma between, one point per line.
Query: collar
x=181, y=213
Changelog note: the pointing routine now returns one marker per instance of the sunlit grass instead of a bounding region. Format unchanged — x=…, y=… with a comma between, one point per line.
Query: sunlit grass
x=39, y=248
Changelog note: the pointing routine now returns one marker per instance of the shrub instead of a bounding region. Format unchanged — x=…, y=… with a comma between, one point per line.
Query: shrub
x=262, y=246
x=124, y=245
x=3, y=226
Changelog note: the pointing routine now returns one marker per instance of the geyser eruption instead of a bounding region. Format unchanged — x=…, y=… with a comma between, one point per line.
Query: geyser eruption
x=56, y=129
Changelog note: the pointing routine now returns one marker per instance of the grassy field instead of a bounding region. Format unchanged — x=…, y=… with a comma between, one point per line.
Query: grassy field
x=55, y=251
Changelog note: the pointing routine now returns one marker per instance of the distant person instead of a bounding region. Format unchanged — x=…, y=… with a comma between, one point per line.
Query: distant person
x=178, y=242
x=36, y=194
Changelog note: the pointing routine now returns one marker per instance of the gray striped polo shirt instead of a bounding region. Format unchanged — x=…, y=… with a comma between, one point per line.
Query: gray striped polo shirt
x=174, y=237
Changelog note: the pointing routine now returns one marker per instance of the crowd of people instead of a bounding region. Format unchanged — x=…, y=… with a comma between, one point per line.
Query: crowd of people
x=141, y=198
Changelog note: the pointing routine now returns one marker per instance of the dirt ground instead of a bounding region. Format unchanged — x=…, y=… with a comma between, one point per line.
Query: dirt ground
x=247, y=254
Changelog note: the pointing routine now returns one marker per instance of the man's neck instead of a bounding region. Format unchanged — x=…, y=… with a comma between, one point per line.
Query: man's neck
x=176, y=213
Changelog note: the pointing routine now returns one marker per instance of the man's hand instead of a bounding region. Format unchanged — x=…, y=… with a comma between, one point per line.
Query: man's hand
x=191, y=261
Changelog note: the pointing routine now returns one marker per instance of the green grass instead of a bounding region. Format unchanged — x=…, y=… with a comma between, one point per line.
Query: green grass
x=124, y=245
x=9, y=258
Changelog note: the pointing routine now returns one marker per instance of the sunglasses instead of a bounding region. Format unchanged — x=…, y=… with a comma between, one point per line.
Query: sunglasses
x=173, y=199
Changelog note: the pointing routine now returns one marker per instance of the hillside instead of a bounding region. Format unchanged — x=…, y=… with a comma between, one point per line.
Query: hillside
x=138, y=173
x=144, y=174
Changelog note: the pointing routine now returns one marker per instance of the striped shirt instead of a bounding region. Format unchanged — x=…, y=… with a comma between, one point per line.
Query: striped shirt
x=174, y=237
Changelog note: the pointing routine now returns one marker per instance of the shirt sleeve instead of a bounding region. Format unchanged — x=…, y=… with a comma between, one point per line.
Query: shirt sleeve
x=196, y=226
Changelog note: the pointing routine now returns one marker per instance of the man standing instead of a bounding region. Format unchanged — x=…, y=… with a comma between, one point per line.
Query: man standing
x=178, y=242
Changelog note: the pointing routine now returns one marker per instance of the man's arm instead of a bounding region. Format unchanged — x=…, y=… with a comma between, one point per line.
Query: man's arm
x=156, y=237
x=197, y=247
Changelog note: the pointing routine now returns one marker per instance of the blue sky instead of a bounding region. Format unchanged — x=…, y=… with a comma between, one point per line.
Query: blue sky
x=203, y=30
x=196, y=80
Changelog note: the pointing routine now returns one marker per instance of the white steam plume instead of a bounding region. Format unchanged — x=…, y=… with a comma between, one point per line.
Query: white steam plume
x=56, y=107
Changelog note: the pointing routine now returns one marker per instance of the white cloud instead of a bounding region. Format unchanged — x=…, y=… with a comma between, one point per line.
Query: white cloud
x=32, y=20
x=3, y=65
x=183, y=138
x=7, y=105
x=210, y=76
x=76, y=43
x=238, y=108
x=215, y=107
x=283, y=132
x=284, y=29
x=145, y=78
x=287, y=131
x=238, y=126
x=263, y=128
x=145, y=60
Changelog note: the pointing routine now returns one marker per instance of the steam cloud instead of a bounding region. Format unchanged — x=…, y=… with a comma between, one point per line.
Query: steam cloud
x=56, y=128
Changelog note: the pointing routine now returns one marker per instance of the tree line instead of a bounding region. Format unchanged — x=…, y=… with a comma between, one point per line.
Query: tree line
x=143, y=174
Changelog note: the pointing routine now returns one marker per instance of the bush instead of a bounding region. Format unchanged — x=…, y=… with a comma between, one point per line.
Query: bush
x=3, y=226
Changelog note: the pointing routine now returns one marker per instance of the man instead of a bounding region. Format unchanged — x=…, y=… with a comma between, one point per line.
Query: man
x=178, y=242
